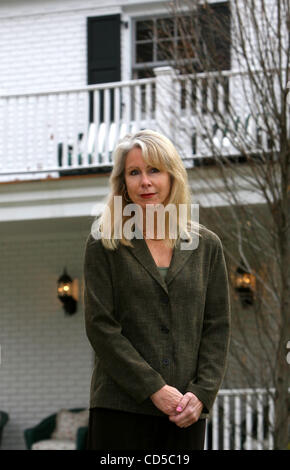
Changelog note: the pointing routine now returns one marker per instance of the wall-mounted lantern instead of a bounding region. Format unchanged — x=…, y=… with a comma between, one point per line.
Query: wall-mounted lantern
x=245, y=285
x=67, y=291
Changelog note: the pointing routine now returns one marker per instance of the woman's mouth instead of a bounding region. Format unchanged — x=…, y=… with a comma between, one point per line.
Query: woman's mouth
x=147, y=195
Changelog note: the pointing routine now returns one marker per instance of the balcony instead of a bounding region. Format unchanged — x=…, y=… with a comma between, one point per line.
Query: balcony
x=242, y=419
x=55, y=133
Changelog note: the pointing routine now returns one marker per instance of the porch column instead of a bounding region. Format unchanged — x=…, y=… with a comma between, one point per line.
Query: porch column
x=164, y=102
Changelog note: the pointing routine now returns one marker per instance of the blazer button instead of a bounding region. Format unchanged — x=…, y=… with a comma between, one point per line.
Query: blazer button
x=165, y=362
x=165, y=300
x=164, y=329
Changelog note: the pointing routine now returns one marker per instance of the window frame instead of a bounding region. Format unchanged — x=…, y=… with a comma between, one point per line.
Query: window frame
x=155, y=63
x=135, y=66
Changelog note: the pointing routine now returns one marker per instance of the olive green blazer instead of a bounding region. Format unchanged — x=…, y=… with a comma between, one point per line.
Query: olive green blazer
x=147, y=332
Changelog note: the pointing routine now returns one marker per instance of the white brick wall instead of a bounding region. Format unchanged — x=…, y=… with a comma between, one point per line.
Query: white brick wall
x=43, y=49
x=43, y=44
x=46, y=357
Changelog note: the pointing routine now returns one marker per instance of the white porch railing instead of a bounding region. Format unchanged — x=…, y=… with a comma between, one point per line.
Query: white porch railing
x=43, y=133
x=72, y=130
x=241, y=419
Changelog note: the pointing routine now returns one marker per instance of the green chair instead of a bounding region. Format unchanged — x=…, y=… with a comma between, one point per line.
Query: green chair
x=41, y=435
x=4, y=418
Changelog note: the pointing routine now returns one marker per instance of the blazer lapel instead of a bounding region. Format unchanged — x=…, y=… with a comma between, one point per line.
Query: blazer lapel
x=142, y=253
x=179, y=258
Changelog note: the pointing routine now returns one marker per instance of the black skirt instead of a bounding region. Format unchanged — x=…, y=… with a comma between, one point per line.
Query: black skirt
x=121, y=430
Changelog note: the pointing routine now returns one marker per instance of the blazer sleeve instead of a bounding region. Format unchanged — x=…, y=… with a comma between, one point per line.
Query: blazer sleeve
x=119, y=358
x=214, y=345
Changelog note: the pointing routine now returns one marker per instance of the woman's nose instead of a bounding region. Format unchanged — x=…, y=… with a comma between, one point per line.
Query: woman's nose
x=145, y=180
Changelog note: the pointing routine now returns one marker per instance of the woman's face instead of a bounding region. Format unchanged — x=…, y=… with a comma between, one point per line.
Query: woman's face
x=145, y=184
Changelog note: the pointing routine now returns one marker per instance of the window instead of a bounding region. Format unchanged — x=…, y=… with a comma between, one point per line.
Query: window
x=183, y=41
x=158, y=41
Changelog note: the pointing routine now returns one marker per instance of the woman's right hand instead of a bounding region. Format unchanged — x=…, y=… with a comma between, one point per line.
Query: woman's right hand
x=166, y=399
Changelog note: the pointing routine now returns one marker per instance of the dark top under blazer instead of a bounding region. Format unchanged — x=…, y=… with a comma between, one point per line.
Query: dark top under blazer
x=147, y=332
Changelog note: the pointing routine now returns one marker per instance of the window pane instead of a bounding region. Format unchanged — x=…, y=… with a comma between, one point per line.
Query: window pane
x=185, y=48
x=144, y=52
x=144, y=73
x=165, y=27
x=144, y=30
x=165, y=50
x=215, y=33
x=185, y=26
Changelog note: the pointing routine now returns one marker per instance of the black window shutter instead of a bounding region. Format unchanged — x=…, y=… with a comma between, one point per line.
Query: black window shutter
x=104, y=54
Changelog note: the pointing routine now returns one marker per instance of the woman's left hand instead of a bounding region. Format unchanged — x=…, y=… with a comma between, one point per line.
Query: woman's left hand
x=189, y=410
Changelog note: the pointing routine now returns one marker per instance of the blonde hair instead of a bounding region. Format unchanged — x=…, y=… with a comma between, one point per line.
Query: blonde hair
x=159, y=152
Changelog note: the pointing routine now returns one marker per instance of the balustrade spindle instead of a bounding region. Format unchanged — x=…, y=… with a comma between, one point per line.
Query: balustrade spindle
x=226, y=422
x=96, y=99
x=215, y=426
x=260, y=419
x=271, y=418
x=249, y=421
x=237, y=422
x=107, y=120
x=138, y=106
x=117, y=113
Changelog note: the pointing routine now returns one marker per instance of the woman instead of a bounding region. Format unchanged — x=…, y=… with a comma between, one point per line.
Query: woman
x=156, y=308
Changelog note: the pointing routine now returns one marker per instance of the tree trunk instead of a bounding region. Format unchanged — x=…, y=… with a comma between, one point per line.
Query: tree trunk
x=282, y=402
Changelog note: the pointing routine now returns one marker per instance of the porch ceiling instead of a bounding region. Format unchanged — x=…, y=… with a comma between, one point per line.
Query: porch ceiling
x=46, y=228
x=52, y=199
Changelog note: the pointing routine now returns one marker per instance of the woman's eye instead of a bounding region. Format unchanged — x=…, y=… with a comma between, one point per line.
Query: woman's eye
x=152, y=170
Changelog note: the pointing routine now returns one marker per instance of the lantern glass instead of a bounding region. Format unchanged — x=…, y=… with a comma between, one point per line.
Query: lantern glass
x=64, y=289
x=244, y=280
x=64, y=285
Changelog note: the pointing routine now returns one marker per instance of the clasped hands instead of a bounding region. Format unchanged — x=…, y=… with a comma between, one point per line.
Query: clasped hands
x=183, y=410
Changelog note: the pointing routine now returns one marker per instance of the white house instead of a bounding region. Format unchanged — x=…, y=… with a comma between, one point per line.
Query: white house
x=74, y=77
